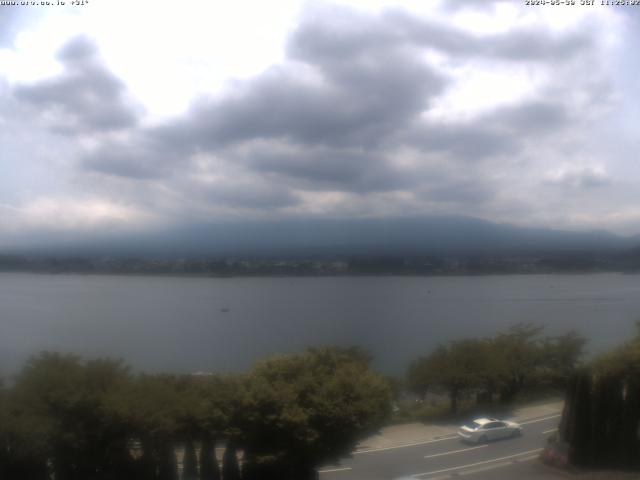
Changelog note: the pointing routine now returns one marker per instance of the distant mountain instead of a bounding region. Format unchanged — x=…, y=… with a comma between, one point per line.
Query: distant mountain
x=444, y=235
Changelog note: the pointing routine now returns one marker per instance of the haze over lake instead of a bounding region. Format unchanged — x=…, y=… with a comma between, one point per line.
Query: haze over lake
x=224, y=324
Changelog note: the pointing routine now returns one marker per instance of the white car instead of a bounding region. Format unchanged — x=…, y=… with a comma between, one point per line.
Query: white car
x=482, y=430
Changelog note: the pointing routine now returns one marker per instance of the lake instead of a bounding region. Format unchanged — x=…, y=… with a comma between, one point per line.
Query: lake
x=184, y=324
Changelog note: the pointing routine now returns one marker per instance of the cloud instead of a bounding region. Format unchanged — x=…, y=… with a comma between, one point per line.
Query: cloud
x=247, y=194
x=12, y=18
x=85, y=98
x=142, y=157
x=63, y=214
x=579, y=177
x=461, y=192
x=453, y=5
x=331, y=169
x=464, y=142
x=521, y=44
x=383, y=113
x=325, y=111
x=318, y=98
x=345, y=113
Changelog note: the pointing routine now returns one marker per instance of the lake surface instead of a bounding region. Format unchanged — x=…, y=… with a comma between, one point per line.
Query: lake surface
x=224, y=324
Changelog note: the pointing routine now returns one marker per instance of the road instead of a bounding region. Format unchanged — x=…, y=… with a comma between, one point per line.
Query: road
x=446, y=457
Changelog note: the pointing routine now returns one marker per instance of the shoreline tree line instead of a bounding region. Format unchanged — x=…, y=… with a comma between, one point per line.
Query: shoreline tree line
x=499, y=368
x=70, y=419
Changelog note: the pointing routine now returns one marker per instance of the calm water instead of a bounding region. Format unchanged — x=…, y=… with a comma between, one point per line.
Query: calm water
x=191, y=324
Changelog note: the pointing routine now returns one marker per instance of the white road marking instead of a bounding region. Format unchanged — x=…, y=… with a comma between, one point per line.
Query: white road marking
x=549, y=431
x=460, y=467
x=484, y=469
x=541, y=419
x=452, y=437
x=331, y=470
x=455, y=451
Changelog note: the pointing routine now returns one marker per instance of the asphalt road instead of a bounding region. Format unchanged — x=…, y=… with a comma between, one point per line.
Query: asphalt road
x=446, y=457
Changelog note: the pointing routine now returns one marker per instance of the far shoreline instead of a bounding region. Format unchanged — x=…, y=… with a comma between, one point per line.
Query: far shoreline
x=314, y=275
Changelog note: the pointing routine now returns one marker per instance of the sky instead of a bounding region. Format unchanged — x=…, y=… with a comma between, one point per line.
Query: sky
x=120, y=117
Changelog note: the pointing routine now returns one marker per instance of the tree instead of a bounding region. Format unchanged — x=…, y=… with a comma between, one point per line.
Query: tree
x=560, y=355
x=189, y=462
x=601, y=418
x=153, y=408
x=69, y=400
x=421, y=377
x=520, y=355
x=213, y=407
x=617, y=399
x=209, y=469
x=504, y=364
x=230, y=467
x=579, y=431
x=92, y=420
x=457, y=367
x=307, y=409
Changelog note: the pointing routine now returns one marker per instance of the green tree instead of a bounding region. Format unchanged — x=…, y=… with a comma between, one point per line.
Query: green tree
x=504, y=364
x=457, y=368
x=520, y=356
x=213, y=407
x=303, y=410
x=421, y=377
x=153, y=408
x=69, y=403
x=560, y=356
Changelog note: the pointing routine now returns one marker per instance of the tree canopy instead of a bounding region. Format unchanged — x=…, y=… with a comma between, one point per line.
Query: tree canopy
x=504, y=364
x=306, y=409
x=95, y=420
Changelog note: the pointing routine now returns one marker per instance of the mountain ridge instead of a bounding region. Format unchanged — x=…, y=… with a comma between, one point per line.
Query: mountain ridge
x=400, y=236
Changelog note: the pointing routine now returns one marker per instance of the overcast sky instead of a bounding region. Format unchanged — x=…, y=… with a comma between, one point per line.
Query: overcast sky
x=122, y=116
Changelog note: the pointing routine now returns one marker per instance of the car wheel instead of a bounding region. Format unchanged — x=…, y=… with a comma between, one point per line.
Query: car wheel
x=483, y=439
x=516, y=433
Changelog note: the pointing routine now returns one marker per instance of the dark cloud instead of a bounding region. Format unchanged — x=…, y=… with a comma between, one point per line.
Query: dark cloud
x=460, y=192
x=139, y=159
x=331, y=169
x=344, y=112
x=466, y=142
x=497, y=133
x=534, y=116
x=358, y=103
x=350, y=96
x=85, y=98
x=521, y=44
x=78, y=51
x=247, y=194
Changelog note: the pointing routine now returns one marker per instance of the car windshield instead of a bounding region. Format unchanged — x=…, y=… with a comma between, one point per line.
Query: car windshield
x=473, y=425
